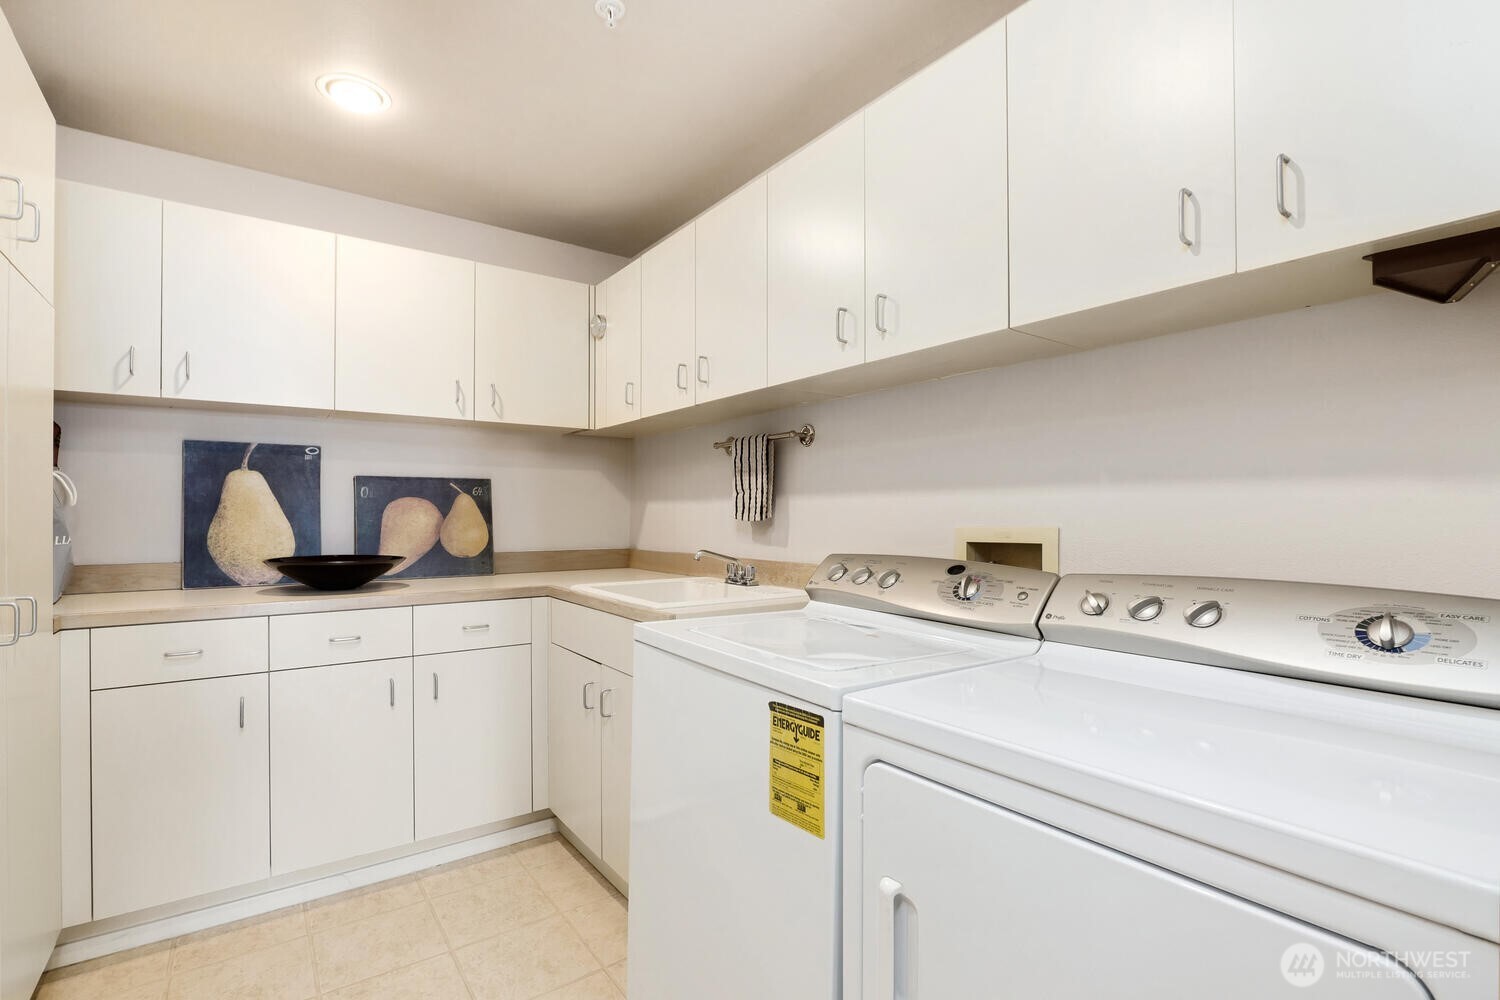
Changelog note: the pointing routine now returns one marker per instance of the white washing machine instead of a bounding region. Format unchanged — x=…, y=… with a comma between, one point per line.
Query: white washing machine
x=736, y=820
x=1121, y=816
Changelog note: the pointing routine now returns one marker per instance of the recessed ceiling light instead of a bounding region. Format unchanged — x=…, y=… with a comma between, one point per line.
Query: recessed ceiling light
x=353, y=93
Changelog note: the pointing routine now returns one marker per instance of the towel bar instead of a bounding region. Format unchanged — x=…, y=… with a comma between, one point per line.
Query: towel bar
x=804, y=435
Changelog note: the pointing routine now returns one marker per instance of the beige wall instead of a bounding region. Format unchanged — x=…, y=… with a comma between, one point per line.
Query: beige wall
x=1357, y=442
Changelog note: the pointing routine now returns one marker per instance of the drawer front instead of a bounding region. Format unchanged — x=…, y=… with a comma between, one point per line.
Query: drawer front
x=601, y=637
x=339, y=637
x=453, y=628
x=178, y=651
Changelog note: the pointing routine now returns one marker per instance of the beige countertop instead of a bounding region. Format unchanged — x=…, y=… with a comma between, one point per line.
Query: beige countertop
x=149, y=607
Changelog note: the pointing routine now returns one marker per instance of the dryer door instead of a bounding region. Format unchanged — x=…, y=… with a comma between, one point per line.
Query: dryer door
x=964, y=900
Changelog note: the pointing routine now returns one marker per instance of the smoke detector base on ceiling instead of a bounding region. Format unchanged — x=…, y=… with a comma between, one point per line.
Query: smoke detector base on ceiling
x=613, y=11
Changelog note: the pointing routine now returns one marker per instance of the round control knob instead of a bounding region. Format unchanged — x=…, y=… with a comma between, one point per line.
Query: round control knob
x=1204, y=614
x=1145, y=609
x=1389, y=632
x=862, y=575
x=968, y=588
x=889, y=579
x=1093, y=603
x=836, y=572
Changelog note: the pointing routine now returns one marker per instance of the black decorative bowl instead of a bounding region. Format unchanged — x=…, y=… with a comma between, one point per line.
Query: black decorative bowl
x=334, y=572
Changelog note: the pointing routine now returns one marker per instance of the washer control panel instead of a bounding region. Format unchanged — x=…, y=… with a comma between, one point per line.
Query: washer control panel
x=980, y=595
x=1430, y=645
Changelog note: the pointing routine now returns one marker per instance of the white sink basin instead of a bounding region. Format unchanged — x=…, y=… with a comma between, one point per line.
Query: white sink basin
x=678, y=593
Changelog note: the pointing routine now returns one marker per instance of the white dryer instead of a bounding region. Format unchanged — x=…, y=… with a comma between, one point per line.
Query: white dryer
x=1092, y=824
x=736, y=821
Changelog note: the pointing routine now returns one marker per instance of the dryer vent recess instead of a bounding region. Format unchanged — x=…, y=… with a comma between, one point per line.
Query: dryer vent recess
x=1440, y=271
x=1028, y=548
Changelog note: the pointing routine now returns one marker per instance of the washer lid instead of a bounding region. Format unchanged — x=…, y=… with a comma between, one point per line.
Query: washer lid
x=822, y=642
x=1391, y=798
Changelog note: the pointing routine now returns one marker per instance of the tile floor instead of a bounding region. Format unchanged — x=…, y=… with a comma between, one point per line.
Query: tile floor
x=529, y=921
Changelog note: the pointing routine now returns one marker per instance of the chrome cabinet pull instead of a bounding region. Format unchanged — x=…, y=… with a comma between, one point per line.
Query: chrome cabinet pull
x=495, y=399
x=434, y=686
x=476, y=628
x=682, y=376
x=15, y=632
x=880, y=301
x=130, y=361
x=1282, y=161
x=597, y=326
x=1183, y=197
x=629, y=393
x=587, y=707
x=602, y=713
x=343, y=638
x=242, y=711
x=393, y=692
x=187, y=367
x=458, y=395
x=31, y=631
x=182, y=654
x=36, y=225
x=838, y=326
x=20, y=198
x=703, y=368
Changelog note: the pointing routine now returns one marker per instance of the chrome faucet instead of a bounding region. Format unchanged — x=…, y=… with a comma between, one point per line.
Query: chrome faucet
x=736, y=573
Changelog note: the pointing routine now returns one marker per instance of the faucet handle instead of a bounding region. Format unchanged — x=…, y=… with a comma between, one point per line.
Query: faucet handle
x=747, y=575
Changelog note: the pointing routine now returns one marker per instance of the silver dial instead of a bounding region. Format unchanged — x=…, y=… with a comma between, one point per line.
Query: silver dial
x=1204, y=614
x=862, y=575
x=1094, y=603
x=1145, y=609
x=1389, y=633
x=836, y=572
x=889, y=579
x=968, y=588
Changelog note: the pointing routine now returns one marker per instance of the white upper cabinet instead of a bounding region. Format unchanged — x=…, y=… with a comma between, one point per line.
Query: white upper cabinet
x=668, y=321
x=108, y=291
x=405, y=331
x=1361, y=119
x=730, y=299
x=246, y=310
x=622, y=346
x=817, y=256
x=531, y=349
x=28, y=158
x=1121, y=151
x=935, y=203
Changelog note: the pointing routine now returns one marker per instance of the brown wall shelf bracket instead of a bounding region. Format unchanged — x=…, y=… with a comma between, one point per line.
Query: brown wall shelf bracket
x=1440, y=271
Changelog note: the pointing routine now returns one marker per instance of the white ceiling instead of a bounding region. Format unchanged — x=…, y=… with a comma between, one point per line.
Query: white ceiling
x=526, y=114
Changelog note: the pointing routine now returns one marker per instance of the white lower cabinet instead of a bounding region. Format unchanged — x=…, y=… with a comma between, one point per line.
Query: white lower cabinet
x=341, y=762
x=181, y=791
x=614, y=768
x=472, y=737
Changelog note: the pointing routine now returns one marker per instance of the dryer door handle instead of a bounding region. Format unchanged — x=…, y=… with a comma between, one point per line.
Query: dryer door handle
x=887, y=952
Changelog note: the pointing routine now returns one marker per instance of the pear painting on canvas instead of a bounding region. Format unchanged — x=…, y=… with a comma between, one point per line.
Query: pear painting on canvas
x=439, y=527
x=244, y=503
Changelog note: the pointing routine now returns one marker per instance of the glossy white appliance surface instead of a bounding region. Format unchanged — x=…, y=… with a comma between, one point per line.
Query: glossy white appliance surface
x=690, y=592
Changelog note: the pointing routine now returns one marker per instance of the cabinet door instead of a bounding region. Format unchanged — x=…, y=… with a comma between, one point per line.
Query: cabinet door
x=1121, y=151
x=817, y=256
x=573, y=779
x=472, y=738
x=531, y=349
x=1384, y=111
x=28, y=152
x=405, y=331
x=614, y=752
x=667, y=323
x=181, y=791
x=341, y=762
x=246, y=310
x=622, y=346
x=935, y=203
x=109, y=291
x=731, y=295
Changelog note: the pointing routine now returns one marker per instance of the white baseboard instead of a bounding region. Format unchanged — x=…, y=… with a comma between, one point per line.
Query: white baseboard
x=123, y=939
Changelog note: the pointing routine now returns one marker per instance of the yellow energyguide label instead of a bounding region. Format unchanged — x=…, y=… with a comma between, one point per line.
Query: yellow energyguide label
x=797, y=767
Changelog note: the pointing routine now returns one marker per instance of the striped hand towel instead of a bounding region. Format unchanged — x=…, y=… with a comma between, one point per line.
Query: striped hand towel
x=754, y=460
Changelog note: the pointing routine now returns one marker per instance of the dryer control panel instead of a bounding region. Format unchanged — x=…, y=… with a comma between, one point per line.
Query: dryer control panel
x=977, y=594
x=1430, y=645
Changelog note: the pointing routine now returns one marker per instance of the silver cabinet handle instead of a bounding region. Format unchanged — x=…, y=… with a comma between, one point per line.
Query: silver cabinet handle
x=1282, y=161
x=838, y=326
x=602, y=713
x=597, y=325
x=182, y=654
x=130, y=361
x=343, y=638
x=15, y=632
x=880, y=301
x=393, y=692
x=458, y=395
x=586, y=705
x=682, y=376
x=31, y=631
x=703, y=368
x=20, y=198
x=629, y=393
x=477, y=628
x=187, y=367
x=242, y=711
x=434, y=686
x=36, y=225
x=1183, y=197
x=495, y=399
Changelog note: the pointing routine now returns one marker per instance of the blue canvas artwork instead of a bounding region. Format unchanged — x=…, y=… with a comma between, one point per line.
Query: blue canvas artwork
x=441, y=527
x=244, y=503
